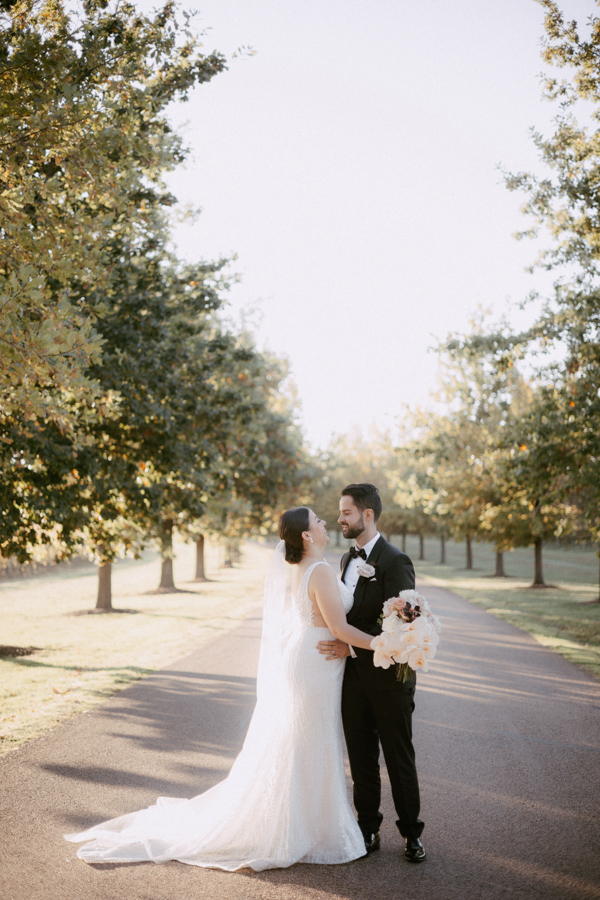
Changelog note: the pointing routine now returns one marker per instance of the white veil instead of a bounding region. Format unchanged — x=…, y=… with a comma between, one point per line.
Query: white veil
x=275, y=629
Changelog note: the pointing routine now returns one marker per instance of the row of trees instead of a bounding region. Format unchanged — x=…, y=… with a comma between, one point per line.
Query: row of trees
x=462, y=469
x=555, y=440
x=128, y=405
x=501, y=457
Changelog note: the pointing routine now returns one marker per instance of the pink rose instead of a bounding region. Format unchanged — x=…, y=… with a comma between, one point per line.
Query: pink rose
x=366, y=571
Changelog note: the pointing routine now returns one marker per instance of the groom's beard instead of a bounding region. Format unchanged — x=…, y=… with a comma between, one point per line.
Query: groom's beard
x=353, y=531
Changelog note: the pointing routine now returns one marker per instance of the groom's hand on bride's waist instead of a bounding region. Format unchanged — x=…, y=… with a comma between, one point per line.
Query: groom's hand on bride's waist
x=333, y=649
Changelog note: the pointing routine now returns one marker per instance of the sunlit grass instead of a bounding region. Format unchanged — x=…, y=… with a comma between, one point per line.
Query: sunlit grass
x=565, y=618
x=84, y=658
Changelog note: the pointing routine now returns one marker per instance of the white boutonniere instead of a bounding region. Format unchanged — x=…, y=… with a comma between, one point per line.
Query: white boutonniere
x=367, y=571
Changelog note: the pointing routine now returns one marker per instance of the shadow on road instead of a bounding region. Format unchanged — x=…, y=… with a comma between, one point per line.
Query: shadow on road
x=191, y=723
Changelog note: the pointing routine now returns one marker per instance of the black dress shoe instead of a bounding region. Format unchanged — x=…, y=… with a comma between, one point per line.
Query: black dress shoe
x=372, y=842
x=414, y=850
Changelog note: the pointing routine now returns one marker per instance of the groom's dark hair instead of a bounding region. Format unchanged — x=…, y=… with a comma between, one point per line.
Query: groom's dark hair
x=365, y=496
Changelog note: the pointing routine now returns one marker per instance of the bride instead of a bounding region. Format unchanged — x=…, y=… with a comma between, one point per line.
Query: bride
x=285, y=799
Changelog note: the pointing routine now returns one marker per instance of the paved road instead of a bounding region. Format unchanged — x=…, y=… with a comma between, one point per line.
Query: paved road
x=508, y=744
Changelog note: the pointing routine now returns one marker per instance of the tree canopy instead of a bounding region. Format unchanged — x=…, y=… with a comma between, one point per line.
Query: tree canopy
x=128, y=404
x=85, y=144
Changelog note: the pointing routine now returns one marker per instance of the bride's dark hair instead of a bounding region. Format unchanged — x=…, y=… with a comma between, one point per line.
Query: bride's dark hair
x=291, y=525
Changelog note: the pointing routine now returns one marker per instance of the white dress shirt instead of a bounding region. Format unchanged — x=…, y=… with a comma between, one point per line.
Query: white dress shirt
x=351, y=577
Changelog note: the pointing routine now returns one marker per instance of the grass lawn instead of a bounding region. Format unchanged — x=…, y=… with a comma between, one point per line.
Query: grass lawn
x=83, y=658
x=564, y=618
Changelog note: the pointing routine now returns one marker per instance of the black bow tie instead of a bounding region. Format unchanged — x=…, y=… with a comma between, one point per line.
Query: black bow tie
x=354, y=552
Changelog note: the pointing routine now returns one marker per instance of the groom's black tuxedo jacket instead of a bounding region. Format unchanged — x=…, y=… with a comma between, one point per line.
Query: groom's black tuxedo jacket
x=394, y=572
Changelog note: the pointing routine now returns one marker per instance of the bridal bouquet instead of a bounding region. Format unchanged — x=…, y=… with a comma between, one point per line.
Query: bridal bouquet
x=410, y=634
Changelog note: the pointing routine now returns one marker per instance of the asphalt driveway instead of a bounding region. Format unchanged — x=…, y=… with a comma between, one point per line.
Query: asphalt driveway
x=508, y=750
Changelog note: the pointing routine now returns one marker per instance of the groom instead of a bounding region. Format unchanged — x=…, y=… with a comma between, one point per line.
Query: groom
x=375, y=706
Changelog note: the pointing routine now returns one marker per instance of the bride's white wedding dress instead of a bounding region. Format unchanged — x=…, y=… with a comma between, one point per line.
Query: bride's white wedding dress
x=285, y=799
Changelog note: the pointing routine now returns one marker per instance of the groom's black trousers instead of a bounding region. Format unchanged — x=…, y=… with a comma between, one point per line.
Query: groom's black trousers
x=371, y=716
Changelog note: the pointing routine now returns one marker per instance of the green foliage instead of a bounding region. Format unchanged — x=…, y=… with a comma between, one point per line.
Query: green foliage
x=198, y=416
x=477, y=471
x=84, y=145
x=552, y=458
x=264, y=464
x=125, y=402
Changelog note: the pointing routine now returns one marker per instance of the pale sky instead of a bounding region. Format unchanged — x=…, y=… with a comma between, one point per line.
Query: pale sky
x=351, y=164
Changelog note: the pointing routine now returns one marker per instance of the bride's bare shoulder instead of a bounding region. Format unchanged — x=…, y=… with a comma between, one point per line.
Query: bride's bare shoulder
x=300, y=571
x=322, y=577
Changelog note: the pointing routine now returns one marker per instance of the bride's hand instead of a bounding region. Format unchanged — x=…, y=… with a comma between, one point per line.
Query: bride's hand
x=333, y=649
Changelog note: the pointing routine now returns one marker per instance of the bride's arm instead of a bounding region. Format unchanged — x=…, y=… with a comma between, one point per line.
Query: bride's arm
x=324, y=586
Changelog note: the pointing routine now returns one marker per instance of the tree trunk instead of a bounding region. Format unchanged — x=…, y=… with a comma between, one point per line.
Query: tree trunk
x=166, y=549
x=200, y=573
x=421, y=546
x=228, y=562
x=104, y=599
x=404, y=539
x=469, y=554
x=538, y=578
x=166, y=575
x=338, y=536
x=499, y=573
x=442, y=550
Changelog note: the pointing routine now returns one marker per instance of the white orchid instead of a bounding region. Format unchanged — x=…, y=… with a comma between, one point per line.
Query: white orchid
x=381, y=655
